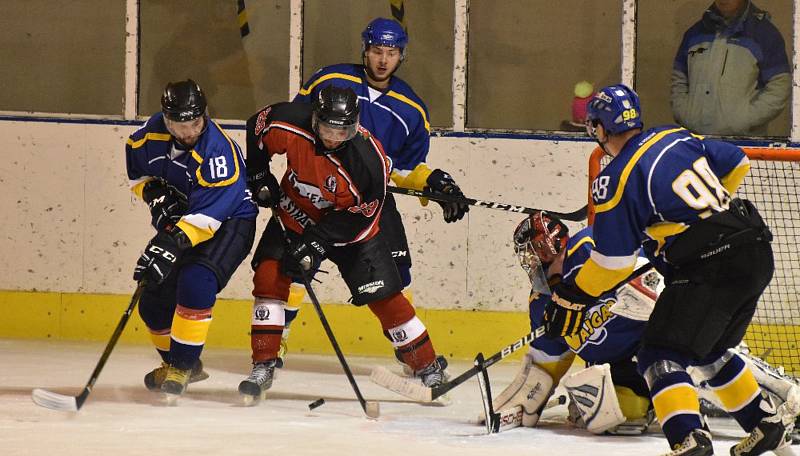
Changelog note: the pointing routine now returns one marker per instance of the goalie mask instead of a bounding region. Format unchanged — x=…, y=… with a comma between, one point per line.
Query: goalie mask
x=538, y=240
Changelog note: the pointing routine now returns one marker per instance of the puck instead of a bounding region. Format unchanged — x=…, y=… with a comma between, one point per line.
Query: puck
x=316, y=403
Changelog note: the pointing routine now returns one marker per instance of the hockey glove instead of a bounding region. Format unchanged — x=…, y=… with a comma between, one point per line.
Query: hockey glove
x=160, y=255
x=167, y=205
x=564, y=314
x=441, y=182
x=305, y=256
x=265, y=188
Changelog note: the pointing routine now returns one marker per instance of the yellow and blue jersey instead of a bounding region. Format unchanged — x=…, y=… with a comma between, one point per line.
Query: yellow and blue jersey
x=662, y=181
x=396, y=115
x=211, y=174
x=604, y=336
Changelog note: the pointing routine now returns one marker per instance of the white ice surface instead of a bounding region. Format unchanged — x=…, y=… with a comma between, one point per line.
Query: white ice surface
x=122, y=418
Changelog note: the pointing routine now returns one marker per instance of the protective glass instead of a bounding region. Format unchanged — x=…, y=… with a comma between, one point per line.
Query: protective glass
x=332, y=132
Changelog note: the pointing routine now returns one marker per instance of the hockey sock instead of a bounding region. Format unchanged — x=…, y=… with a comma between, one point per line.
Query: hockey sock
x=161, y=340
x=739, y=393
x=406, y=332
x=673, y=393
x=196, y=294
x=189, y=332
x=271, y=291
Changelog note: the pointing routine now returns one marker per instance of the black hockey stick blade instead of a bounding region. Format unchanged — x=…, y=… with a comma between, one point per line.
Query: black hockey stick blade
x=66, y=403
x=574, y=216
x=492, y=419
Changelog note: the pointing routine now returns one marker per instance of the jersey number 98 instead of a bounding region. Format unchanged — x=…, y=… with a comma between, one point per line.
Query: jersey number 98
x=700, y=189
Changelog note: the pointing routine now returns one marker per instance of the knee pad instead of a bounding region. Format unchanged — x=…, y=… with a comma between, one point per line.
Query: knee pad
x=197, y=287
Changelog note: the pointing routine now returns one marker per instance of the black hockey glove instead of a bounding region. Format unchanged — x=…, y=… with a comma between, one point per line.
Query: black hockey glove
x=265, y=188
x=564, y=314
x=440, y=181
x=160, y=255
x=167, y=205
x=305, y=256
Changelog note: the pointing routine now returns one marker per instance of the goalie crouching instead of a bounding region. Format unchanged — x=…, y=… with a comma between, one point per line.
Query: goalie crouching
x=609, y=395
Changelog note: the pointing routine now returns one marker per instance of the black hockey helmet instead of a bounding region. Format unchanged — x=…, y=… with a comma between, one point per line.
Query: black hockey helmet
x=183, y=101
x=335, y=113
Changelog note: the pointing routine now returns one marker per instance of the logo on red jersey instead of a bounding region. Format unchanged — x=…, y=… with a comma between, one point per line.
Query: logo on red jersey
x=330, y=184
x=261, y=120
x=367, y=209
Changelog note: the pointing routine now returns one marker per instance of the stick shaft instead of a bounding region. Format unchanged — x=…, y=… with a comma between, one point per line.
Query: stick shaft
x=575, y=216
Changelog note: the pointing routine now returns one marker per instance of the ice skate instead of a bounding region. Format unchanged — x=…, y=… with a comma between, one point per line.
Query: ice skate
x=154, y=378
x=773, y=432
x=435, y=374
x=175, y=383
x=255, y=386
x=697, y=443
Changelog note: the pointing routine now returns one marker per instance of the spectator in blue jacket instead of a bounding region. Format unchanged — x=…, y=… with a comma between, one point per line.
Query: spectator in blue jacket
x=731, y=75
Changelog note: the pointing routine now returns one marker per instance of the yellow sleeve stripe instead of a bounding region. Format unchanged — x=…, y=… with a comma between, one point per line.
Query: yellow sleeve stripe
x=578, y=244
x=195, y=233
x=348, y=77
x=623, y=179
x=596, y=280
x=413, y=104
x=226, y=182
x=138, y=189
x=149, y=137
x=733, y=179
x=417, y=179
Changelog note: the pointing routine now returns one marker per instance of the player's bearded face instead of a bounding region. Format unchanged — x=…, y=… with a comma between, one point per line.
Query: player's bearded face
x=186, y=132
x=381, y=62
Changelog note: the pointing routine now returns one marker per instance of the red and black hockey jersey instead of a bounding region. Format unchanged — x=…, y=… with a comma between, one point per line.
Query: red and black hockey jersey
x=340, y=192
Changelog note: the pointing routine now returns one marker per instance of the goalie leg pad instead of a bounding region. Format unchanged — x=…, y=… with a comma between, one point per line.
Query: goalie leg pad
x=592, y=391
x=530, y=390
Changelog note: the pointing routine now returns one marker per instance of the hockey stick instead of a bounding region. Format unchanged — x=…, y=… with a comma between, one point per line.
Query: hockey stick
x=575, y=216
x=413, y=390
x=371, y=408
x=66, y=403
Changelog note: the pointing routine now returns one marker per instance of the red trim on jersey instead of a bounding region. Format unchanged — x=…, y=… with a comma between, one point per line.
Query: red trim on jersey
x=353, y=190
x=292, y=128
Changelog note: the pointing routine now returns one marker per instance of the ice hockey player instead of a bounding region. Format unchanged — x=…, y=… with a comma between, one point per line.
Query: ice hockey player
x=609, y=396
x=669, y=192
x=330, y=200
x=192, y=176
x=394, y=114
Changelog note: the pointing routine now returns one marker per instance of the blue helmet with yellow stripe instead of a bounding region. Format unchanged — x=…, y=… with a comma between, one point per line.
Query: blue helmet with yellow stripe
x=616, y=108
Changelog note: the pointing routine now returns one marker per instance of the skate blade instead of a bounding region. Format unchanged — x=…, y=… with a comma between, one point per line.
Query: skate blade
x=171, y=400
x=249, y=400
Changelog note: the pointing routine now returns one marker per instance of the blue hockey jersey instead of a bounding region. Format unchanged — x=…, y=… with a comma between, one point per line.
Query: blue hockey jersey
x=211, y=174
x=396, y=115
x=662, y=181
x=604, y=336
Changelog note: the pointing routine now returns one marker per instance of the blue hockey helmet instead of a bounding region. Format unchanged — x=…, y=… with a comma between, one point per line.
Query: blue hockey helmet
x=384, y=32
x=616, y=108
